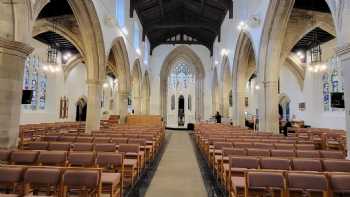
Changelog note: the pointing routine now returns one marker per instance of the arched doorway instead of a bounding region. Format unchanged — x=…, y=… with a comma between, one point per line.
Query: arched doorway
x=181, y=111
x=284, y=104
x=81, y=109
x=182, y=74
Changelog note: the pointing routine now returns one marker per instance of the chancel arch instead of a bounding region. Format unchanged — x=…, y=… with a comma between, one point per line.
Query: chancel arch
x=185, y=69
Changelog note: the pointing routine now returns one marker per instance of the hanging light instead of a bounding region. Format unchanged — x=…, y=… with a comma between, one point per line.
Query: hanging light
x=316, y=55
x=52, y=54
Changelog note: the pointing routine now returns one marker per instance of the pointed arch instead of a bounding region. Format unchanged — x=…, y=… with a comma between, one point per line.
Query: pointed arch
x=243, y=54
x=192, y=58
x=136, y=86
x=119, y=60
x=146, y=94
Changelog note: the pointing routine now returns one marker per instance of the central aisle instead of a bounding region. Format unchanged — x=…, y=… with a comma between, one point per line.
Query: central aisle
x=178, y=173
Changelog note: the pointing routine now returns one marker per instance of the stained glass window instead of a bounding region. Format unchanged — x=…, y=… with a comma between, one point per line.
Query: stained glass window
x=36, y=80
x=332, y=81
x=120, y=13
x=181, y=76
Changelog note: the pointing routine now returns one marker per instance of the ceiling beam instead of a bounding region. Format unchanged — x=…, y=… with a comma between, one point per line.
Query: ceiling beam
x=181, y=26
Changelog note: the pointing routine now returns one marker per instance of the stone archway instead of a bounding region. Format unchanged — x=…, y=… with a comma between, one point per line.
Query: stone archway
x=226, y=88
x=244, y=56
x=119, y=63
x=187, y=54
x=136, y=86
x=146, y=94
x=284, y=102
x=269, y=61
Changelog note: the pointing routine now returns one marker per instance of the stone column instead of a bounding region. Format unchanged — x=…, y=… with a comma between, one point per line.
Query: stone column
x=268, y=107
x=344, y=56
x=12, y=59
x=238, y=108
x=137, y=104
x=93, y=116
x=123, y=105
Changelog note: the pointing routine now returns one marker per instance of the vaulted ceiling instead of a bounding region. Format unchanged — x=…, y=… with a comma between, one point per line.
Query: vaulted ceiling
x=182, y=21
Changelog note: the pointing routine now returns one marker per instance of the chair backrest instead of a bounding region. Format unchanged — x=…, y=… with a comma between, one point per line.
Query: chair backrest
x=258, y=152
x=54, y=158
x=244, y=162
x=275, y=163
x=105, y=147
x=82, y=146
x=307, y=181
x=38, y=145
x=10, y=177
x=279, y=146
x=265, y=179
x=221, y=145
x=334, y=165
x=68, y=138
x=24, y=157
x=329, y=154
x=84, y=180
x=305, y=146
x=120, y=140
x=63, y=146
x=308, y=154
x=10, y=174
x=85, y=159
x=306, y=164
x=42, y=176
x=243, y=145
x=109, y=160
x=283, y=153
x=4, y=155
x=129, y=148
x=263, y=145
x=84, y=139
x=340, y=183
x=140, y=141
x=50, y=138
x=234, y=152
x=102, y=140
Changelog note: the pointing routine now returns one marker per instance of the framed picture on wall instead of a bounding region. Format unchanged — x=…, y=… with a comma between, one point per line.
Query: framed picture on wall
x=302, y=106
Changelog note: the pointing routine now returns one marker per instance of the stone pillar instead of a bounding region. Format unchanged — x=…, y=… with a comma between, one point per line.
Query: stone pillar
x=12, y=59
x=123, y=105
x=93, y=116
x=344, y=56
x=238, y=108
x=137, y=104
x=268, y=107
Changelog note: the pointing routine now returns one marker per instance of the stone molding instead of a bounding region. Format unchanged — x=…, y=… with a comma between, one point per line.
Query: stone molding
x=15, y=48
x=343, y=50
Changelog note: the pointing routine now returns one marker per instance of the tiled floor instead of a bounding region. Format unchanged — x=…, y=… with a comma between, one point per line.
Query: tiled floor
x=178, y=173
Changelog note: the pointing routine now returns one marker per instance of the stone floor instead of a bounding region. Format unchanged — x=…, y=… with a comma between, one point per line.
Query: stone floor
x=178, y=173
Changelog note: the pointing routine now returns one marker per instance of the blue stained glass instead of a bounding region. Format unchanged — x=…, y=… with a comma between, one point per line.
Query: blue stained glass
x=42, y=98
x=326, y=93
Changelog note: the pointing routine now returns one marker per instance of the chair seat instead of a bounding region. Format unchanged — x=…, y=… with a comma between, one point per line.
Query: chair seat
x=237, y=182
x=110, y=178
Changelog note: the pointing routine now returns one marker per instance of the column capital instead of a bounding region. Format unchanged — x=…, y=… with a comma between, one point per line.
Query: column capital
x=15, y=48
x=343, y=50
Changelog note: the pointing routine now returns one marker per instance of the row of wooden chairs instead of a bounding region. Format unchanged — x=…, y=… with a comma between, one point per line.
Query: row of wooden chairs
x=291, y=184
x=16, y=181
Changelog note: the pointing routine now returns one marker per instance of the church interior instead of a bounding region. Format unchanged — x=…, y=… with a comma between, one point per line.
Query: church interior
x=191, y=98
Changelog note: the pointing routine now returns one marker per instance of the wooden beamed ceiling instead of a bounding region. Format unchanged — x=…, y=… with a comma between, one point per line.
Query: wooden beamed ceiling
x=181, y=21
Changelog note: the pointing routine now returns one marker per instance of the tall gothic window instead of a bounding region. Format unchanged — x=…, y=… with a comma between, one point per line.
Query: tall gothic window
x=136, y=38
x=36, y=80
x=332, y=81
x=120, y=12
x=181, y=77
